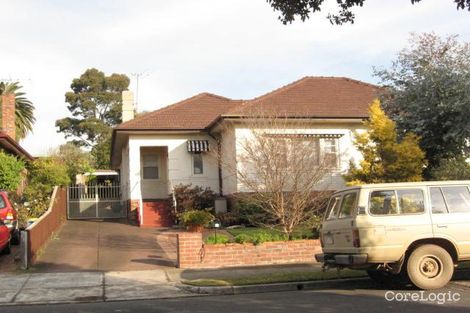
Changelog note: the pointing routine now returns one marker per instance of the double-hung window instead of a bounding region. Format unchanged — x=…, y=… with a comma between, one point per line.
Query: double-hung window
x=150, y=166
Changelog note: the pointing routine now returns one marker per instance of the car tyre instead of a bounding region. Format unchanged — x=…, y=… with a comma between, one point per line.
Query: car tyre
x=7, y=249
x=15, y=237
x=430, y=267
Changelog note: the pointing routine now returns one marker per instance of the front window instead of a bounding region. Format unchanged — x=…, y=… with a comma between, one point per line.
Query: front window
x=198, y=164
x=330, y=152
x=150, y=166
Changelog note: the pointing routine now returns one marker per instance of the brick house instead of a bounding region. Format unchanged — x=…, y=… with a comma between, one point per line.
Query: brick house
x=158, y=150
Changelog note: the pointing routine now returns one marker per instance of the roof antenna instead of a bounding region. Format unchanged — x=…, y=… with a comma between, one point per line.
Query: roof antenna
x=137, y=78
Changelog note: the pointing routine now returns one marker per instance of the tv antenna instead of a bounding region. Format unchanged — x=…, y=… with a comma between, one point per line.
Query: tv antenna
x=137, y=78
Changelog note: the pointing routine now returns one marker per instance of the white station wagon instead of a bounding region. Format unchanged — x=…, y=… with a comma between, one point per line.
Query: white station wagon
x=416, y=230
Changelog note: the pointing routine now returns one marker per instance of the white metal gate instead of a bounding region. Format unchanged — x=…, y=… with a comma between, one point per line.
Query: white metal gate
x=94, y=201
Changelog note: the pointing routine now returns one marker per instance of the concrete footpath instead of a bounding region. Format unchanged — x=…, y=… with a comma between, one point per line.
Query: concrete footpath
x=42, y=288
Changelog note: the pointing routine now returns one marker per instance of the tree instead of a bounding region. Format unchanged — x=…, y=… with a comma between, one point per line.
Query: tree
x=75, y=159
x=289, y=9
x=95, y=103
x=384, y=158
x=44, y=173
x=11, y=170
x=429, y=95
x=24, y=109
x=280, y=171
x=451, y=169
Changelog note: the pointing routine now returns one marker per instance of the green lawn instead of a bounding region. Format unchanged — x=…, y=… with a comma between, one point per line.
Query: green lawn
x=277, y=278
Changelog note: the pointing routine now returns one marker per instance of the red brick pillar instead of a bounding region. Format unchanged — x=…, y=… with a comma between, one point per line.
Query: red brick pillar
x=189, y=247
x=8, y=115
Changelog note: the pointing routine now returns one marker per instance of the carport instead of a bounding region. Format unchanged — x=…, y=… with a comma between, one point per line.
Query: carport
x=107, y=245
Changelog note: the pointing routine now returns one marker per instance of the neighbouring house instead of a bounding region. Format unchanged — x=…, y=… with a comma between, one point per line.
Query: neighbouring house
x=8, y=144
x=158, y=150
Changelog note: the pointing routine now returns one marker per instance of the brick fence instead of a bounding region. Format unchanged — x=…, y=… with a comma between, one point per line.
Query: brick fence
x=193, y=253
x=40, y=232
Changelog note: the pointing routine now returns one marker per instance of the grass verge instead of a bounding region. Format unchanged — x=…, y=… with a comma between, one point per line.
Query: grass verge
x=276, y=278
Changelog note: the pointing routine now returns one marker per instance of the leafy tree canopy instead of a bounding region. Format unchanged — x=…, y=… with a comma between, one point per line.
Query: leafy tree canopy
x=95, y=103
x=385, y=159
x=24, y=109
x=429, y=86
x=452, y=169
x=290, y=9
x=75, y=158
x=11, y=170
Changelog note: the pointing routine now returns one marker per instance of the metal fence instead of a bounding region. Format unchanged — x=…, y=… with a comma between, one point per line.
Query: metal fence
x=94, y=201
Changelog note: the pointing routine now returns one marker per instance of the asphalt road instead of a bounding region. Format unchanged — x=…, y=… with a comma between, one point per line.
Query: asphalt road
x=369, y=298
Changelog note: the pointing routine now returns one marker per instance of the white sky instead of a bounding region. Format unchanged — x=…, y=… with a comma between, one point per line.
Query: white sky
x=235, y=48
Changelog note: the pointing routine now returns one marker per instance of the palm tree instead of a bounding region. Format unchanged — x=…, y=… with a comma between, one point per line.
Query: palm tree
x=24, y=109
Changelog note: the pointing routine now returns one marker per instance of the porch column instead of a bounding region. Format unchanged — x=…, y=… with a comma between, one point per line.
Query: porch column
x=134, y=179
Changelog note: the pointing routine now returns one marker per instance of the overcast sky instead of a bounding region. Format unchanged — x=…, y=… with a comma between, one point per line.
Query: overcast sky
x=235, y=48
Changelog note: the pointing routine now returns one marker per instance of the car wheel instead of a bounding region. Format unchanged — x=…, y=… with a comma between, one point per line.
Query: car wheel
x=15, y=237
x=430, y=267
x=7, y=249
x=385, y=278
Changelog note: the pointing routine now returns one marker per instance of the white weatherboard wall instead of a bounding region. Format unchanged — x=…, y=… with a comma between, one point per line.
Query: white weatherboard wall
x=235, y=134
x=178, y=168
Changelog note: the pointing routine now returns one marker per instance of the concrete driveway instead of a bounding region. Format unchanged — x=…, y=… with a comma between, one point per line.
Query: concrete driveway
x=109, y=245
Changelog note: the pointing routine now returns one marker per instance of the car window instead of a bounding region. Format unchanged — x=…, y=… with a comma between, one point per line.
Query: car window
x=457, y=198
x=411, y=201
x=2, y=202
x=438, y=203
x=383, y=202
x=333, y=207
x=348, y=205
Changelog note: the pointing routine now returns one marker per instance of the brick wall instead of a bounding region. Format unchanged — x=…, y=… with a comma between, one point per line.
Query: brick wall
x=193, y=253
x=7, y=118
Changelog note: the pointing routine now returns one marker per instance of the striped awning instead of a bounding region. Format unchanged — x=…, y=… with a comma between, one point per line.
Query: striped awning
x=198, y=145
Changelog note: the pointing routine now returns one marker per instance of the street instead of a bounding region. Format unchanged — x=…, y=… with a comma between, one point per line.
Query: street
x=369, y=298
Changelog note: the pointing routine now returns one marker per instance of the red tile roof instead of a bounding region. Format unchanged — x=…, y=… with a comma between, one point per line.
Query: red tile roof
x=313, y=97
x=309, y=97
x=196, y=112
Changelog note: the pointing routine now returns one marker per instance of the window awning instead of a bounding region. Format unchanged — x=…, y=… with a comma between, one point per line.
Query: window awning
x=198, y=145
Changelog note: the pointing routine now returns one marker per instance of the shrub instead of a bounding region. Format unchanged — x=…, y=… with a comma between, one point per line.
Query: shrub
x=196, y=218
x=248, y=213
x=219, y=239
x=242, y=238
x=189, y=197
x=451, y=169
x=11, y=170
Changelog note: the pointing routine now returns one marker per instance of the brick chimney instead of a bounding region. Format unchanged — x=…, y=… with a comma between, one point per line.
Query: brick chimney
x=127, y=106
x=7, y=118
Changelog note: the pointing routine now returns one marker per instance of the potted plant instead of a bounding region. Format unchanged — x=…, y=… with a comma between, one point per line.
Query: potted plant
x=196, y=220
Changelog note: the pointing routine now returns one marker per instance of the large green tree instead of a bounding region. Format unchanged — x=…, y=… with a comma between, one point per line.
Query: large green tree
x=429, y=85
x=290, y=9
x=95, y=103
x=24, y=109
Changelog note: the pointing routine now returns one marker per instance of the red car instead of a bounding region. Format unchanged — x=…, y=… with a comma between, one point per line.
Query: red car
x=5, y=237
x=9, y=217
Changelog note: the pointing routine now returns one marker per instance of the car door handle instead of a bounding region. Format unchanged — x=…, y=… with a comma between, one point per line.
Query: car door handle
x=441, y=226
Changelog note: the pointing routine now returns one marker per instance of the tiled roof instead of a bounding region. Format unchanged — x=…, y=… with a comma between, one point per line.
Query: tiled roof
x=310, y=97
x=313, y=97
x=11, y=146
x=196, y=112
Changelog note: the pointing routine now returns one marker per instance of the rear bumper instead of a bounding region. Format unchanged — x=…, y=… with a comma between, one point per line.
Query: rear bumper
x=12, y=225
x=341, y=259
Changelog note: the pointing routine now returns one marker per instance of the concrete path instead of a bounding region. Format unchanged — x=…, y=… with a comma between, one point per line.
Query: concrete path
x=87, y=287
x=109, y=245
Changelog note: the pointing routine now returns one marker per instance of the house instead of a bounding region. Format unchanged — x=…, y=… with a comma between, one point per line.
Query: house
x=169, y=146
x=8, y=144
